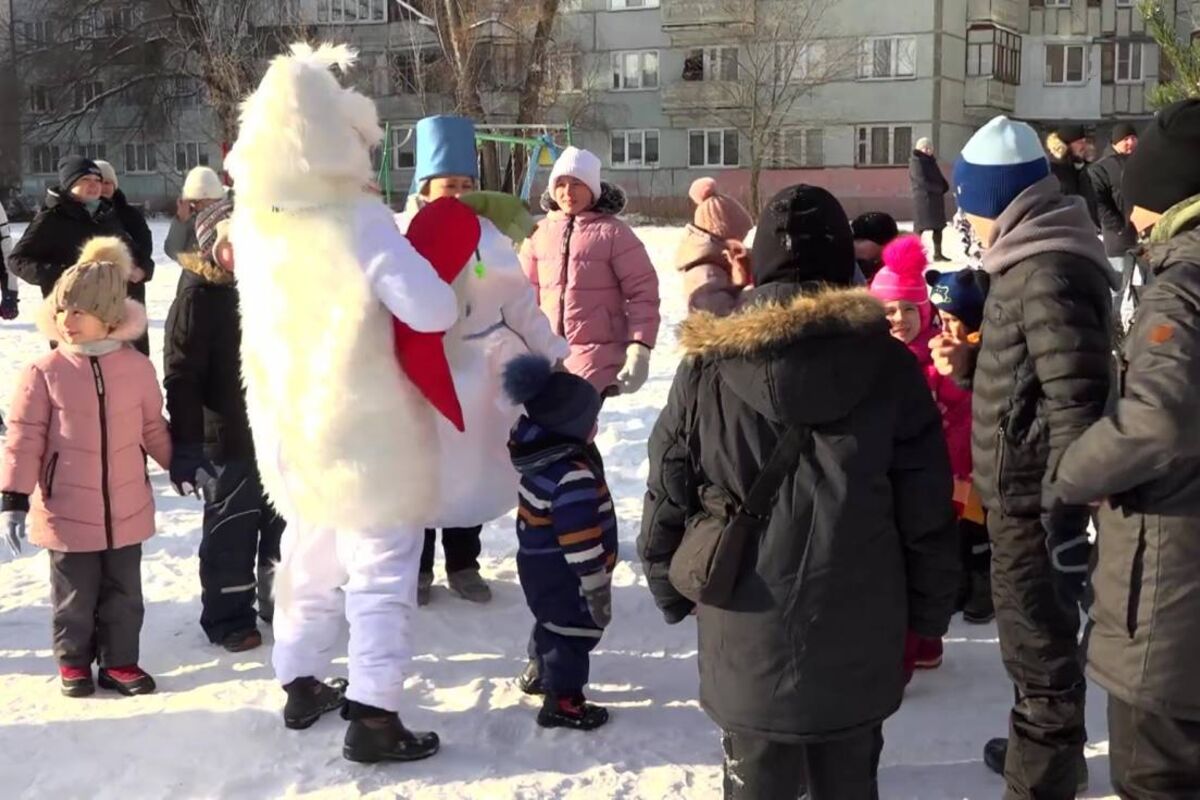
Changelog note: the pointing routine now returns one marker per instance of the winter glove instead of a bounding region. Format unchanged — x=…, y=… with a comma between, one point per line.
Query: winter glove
x=12, y=523
x=637, y=368
x=191, y=471
x=599, y=603
x=9, y=304
x=1068, y=547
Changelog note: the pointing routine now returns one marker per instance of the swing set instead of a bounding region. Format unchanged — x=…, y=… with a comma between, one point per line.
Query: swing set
x=538, y=146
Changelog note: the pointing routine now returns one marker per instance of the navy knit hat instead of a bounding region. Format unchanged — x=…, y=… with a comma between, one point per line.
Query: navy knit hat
x=560, y=402
x=72, y=168
x=1002, y=159
x=958, y=293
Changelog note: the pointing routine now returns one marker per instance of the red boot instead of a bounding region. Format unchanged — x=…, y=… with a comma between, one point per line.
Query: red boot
x=929, y=653
x=128, y=680
x=76, y=681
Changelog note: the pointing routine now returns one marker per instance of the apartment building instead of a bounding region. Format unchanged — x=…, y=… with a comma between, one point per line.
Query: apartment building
x=652, y=86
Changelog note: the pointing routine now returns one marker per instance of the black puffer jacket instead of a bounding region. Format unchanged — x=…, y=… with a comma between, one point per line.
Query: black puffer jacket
x=861, y=544
x=1072, y=175
x=202, y=365
x=1105, y=176
x=1144, y=644
x=52, y=241
x=142, y=242
x=929, y=187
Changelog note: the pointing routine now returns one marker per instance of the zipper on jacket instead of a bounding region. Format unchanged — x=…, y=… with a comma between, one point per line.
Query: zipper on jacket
x=99, y=378
x=51, y=468
x=562, y=280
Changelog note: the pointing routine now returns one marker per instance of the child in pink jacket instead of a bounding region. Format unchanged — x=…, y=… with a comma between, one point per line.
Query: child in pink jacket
x=83, y=419
x=713, y=258
x=594, y=279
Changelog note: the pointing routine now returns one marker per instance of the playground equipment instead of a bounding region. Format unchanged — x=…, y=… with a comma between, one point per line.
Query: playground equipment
x=520, y=151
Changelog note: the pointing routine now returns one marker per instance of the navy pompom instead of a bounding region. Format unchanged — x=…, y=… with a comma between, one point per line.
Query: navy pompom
x=526, y=376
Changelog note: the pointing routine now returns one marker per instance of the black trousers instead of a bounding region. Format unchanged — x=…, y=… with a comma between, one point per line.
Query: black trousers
x=1039, y=643
x=98, y=608
x=238, y=552
x=137, y=291
x=461, y=547
x=1152, y=757
x=838, y=769
x=937, y=241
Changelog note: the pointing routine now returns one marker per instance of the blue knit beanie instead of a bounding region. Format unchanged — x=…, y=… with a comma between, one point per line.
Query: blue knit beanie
x=958, y=293
x=559, y=402
x=445, y=146
x=1002, y=159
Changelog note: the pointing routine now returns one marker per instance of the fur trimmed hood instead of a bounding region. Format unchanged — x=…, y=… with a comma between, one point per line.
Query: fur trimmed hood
x=803, y=357
x=205, y=270
x=612, y=201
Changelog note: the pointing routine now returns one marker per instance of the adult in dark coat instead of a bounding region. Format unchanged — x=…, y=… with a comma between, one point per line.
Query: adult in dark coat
x=806, y=661
x=211, y=432
x=929, y=187
x=1105, y=176
x=1068, y=148
x=140, y=240
x=74, y=212
x=1143, y=460
x=1041, y=378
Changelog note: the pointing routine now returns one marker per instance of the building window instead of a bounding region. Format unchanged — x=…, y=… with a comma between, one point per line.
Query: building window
x=351, y=12
x=627, y=5
x=189, y=155
x=883, y=145
x=635, y=70
x=86, y=93
x=566, y=70
x=1129, y=62
x=888, y=58
x=713, y=148
x=1058, y=3
x=139, y=157
x=711, y=64
x=994, y=52
x=40, y=99
x=791, y=148
x=1125, y=3
x=43, y=159
x=634, y=148
x=404, y=146
x=796, y=63
x=38, y=34
x=1065, y=64
x=93, y=151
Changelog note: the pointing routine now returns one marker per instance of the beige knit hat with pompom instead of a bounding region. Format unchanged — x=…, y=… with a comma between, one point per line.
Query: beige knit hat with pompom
x=98, y=282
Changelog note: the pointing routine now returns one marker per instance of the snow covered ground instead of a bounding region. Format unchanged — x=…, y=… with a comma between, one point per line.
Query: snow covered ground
x=214, y=729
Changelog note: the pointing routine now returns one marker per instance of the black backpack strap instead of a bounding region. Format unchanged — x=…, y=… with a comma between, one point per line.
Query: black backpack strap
x=783, y=460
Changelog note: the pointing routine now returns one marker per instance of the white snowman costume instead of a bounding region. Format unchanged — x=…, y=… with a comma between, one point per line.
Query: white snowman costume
x=344, y=440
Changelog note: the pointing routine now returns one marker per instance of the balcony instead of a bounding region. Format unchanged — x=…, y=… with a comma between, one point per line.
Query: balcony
x=990, y=96
x=1011, y=14
x=690, y=22
x=689, y=98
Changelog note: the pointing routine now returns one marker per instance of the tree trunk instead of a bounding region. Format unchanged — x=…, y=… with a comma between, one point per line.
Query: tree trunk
x=529, y=104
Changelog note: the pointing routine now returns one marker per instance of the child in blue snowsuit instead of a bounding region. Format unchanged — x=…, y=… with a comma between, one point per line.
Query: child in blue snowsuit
x=566, y=535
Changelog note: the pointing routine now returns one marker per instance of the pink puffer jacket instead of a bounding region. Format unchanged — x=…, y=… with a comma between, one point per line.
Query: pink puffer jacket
x=705, y=263
x=78, y=432
x=595, y=283
x=953, y=401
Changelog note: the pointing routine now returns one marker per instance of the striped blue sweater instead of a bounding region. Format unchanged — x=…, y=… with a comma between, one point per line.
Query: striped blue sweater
x=564, y=504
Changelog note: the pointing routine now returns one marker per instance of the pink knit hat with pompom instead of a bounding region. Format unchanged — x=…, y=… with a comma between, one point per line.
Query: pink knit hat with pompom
x=903, y=274
x=718, y=214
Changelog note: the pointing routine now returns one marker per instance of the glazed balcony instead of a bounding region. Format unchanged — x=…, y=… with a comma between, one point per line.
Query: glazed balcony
x=692, y=22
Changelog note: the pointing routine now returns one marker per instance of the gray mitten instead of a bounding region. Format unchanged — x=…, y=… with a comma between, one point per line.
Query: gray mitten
x=599, y=603
x=12, y=525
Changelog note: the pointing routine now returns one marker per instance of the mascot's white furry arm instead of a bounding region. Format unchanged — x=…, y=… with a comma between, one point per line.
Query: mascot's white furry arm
x=344, y=438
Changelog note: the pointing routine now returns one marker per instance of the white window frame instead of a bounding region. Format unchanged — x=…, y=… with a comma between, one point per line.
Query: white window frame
x=144, y=160
x=1066, y=59
x=1125, y=3
x=51, y=153
x=38, y=33
x=708, y=132
x=40, y=99
x=863, y=146
x=1132, y=47
x=326, y=8
x=195, y=154
x=809, y=56
x=866, y=61
x=563, y=64
x=633, y=134
x=631, y=5
x=96, y=151
x=778, y=154
x=1058, y=3
x=403, y=142
x=618, y=71
x=88, y=91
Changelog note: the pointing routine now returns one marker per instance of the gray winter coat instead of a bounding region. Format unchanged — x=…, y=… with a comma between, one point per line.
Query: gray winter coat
x=929, y=189
x=1144, y=459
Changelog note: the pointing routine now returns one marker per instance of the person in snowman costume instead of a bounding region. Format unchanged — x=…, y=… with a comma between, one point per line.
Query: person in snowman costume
x=499, y=320
x=337, y=309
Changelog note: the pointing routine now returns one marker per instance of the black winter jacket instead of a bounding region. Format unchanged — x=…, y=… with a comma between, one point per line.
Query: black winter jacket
x=1144, y=641
x=52, y=241
x=1105, y=176
x=861, y=544
x=202, y=365
x=929, y=187
x=1073, y=179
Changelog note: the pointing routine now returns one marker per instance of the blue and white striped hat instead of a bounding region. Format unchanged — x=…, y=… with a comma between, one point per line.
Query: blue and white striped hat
x=1002, y=159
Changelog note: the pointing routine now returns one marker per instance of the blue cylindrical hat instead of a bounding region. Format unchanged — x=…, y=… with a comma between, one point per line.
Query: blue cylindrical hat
x=445, y=146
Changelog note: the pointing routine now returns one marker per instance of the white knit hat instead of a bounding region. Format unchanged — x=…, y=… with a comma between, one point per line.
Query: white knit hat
x=203, y=183
x=582, y=165
x=107, y=173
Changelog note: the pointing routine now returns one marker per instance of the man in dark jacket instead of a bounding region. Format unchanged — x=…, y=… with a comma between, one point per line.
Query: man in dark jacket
x=803, y=664
x=1041, y=378
x=1144, y=461
x=140, y=240
x=74, y=212
x=213, y=449
x=1068, y=147
x=929, y=189
x=1105, y=175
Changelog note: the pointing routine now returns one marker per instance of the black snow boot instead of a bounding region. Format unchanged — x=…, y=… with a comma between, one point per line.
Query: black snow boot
x=979, y=609
x=530, y=679
x=308, y=699
x=995, y=752
x=377, y=735
x=571, y=711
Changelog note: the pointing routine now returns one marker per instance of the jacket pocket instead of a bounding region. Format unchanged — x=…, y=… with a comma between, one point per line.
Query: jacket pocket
x=145, y=464
x=1136, y=572
x=1021, y=466
x=48, y=476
